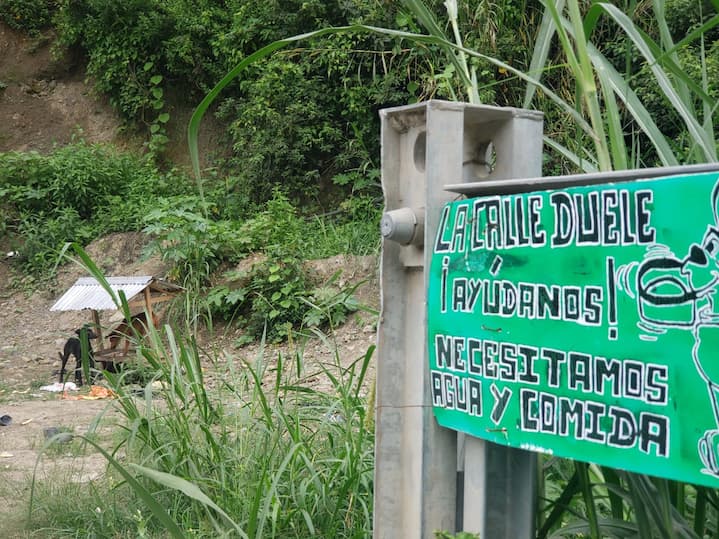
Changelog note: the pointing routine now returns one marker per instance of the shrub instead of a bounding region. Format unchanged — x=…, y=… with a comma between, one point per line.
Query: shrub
x=76, y=193
x=193, y=244
x=28, y=15
x=276, y=295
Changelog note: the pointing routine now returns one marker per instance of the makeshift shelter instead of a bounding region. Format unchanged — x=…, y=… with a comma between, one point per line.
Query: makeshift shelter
x=140, y=291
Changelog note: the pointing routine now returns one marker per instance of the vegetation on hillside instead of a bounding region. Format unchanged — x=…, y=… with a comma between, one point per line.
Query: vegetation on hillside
x=623, y=85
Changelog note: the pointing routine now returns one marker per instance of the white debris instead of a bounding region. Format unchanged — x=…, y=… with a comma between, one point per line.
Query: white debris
x=57, y=387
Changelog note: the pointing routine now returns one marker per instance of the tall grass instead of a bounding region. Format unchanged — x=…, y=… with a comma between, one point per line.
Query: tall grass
x=216, y=447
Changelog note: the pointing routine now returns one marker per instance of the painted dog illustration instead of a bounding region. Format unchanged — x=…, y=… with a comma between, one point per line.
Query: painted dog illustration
x=683, y=293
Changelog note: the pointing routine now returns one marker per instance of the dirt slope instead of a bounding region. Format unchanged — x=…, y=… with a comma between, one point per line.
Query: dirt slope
x=44, y=101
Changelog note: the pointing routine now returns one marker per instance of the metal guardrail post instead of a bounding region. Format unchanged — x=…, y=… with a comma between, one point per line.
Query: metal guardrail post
x=426, y=147
x=415, y=469
x=500, y=482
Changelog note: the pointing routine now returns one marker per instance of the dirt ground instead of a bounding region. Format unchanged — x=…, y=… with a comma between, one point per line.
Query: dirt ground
x=45, y=102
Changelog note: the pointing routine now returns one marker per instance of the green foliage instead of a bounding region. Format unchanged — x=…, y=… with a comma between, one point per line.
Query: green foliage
x=61, y=506
x=330, y=307
x=276, y=298
x=277, y=229
x=459, y=535
x=44, y=236
x=28, y=15
x=352, y=230
x=276, y=295
x=683, y=16
x=76, y=193
x=693, y=67
x=124, y=44
x=588, y=500
x=273, y=299
x=281, y=134
x=193, y=244
x=298, y=122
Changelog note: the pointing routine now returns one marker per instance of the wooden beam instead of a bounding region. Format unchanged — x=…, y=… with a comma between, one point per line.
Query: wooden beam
x=155, y=299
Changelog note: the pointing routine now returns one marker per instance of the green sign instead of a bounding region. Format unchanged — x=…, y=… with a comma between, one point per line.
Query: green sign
x=584, y=323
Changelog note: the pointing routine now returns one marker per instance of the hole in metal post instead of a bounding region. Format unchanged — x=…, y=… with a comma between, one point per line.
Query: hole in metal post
x=480, y=162
x=420, y=151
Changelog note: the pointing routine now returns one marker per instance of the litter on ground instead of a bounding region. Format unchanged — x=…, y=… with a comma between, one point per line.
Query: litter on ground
x=96, y=392
x=57, y=387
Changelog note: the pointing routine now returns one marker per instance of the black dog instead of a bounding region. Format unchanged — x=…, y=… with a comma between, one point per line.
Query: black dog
x=73, y=347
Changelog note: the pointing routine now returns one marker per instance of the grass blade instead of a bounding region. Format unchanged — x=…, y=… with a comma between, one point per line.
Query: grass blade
x=617, y=147
x=540, y=54
x=585, y=486
x=271, y=494
x=667, y=44
x=613, y=482
x=427, y=19
x=696, y=130
x=147, y=498
x=700, y=512
x=582, y=164
x=634, y=106
x=188, y=489
x=561, y=505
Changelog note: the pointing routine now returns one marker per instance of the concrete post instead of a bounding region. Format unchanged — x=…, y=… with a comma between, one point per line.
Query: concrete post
x=426, y=147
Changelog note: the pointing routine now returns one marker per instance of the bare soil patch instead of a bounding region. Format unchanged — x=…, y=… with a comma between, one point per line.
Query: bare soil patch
x=44, y=101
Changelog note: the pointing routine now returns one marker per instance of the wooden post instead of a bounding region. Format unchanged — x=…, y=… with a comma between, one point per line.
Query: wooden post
x=148, y=307
x=98, y=329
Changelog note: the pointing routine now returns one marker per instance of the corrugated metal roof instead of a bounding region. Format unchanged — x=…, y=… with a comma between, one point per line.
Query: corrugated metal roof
x=87, y=293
